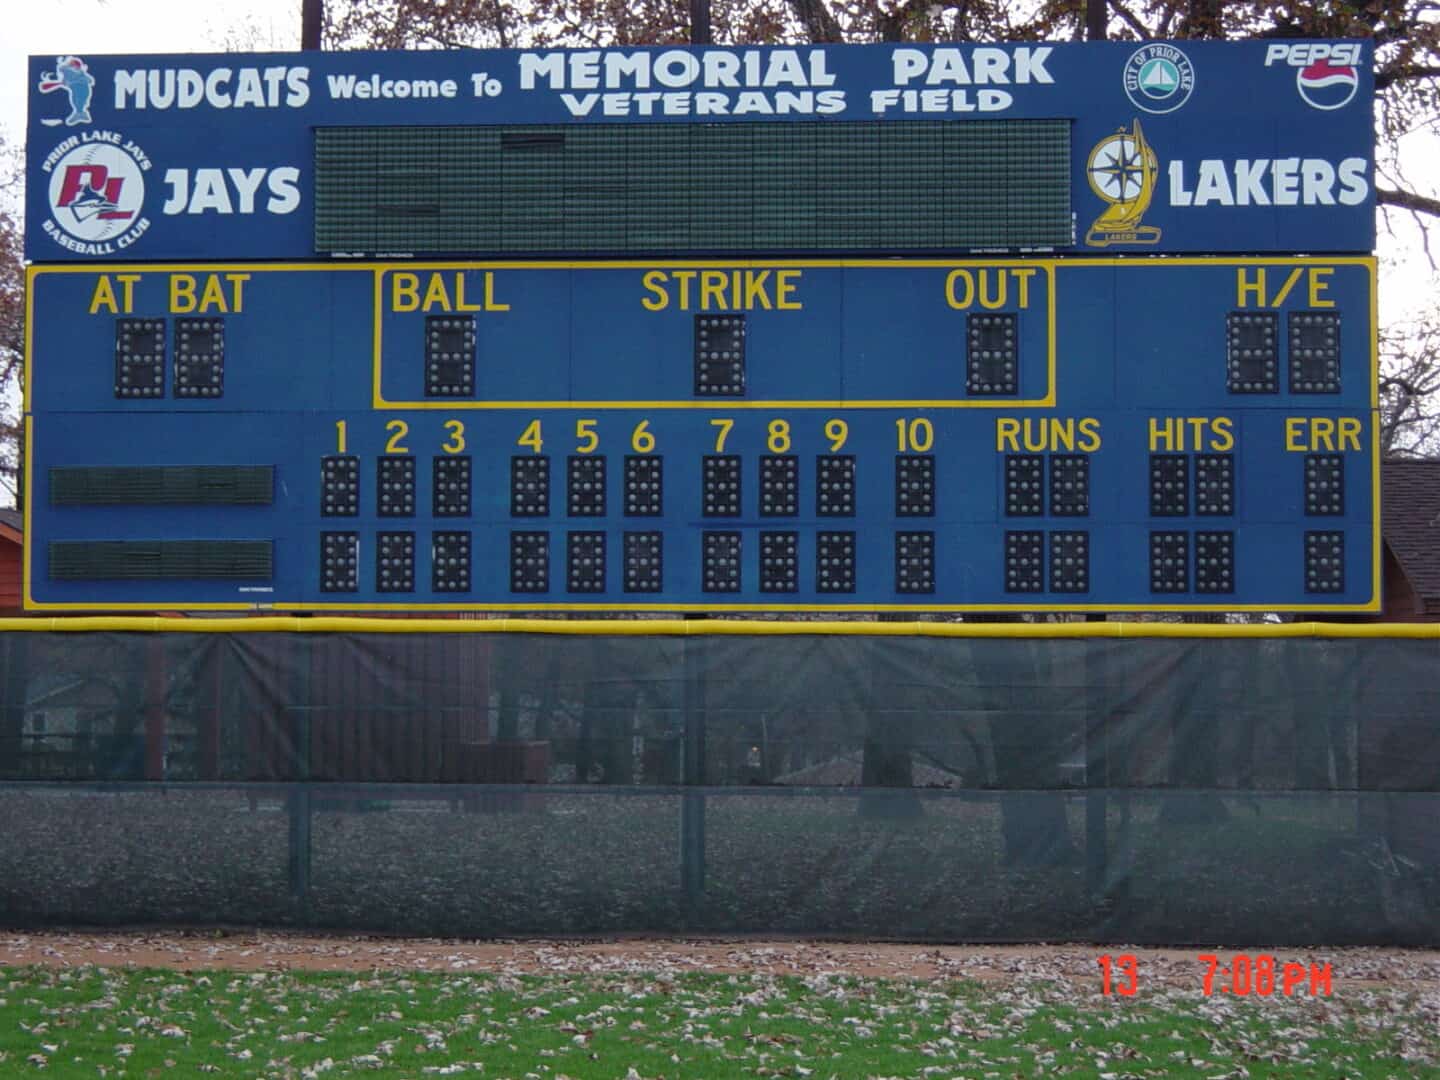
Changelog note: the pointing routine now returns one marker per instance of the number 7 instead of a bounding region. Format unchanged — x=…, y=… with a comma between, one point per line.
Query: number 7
x=722, y=433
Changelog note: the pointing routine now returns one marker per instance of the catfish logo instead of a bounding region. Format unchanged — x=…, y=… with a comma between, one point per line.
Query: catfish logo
x=97, y=191
x=72, y=76
x=1325, y=74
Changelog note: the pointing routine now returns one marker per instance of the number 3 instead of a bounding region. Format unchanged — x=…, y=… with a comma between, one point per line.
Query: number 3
x=456, y=443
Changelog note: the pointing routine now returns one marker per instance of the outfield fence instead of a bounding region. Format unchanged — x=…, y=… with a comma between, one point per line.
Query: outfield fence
x=928, y=781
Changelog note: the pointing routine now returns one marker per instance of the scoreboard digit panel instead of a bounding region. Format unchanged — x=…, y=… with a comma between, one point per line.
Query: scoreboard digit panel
x=1024, y=434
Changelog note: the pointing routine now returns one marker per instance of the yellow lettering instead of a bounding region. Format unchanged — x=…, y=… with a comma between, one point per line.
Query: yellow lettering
x=1323, y=433
x=491, y=304
x=786, y=282
x=104, y=296
x=1224, y=429
x=755, y=295
x=1290, y=283
x=404, y=292
x=1245, y=287
x=653, y=281
x=237, y=297
x=460, y=304
x=712, y=284
x=1062, y=434
x=1319, y=285
x=684, y=277
x=1033, y=436
x=212, y=297
x=998, y=299
x=1161, y=438
x=722, y=290
x=960, y=303
x=435, y=295
x=1294, y=426
x=182, y=293
x=1349, y=433
x=994, y=287
x=1041, y=434
x=1007, y=430
x=127, y=281
x=1022, y=277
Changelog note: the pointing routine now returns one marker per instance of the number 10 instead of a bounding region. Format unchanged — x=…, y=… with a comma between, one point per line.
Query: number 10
x=916, y=435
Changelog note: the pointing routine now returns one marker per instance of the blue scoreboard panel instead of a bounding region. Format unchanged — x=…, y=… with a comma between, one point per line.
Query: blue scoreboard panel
x=874, y=329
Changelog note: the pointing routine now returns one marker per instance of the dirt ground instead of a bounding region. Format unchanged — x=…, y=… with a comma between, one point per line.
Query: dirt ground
x=261, y=950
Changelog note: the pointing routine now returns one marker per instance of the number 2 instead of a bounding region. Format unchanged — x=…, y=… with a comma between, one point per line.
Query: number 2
x=398, y=430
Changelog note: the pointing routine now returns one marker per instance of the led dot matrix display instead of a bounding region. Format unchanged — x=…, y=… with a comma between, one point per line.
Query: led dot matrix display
x=139, y=358
x=199, y=358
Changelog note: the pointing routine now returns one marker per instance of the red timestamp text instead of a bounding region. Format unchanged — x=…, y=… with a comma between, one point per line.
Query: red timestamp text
x=1264, y=975
x=1240, y=974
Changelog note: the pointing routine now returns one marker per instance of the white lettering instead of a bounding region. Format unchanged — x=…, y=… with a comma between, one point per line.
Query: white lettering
x=284, y=185
x=675, y=68
x=1249, y=182
x=247, y=182
x=1178, y=195
x=1266, y=182
x=1354, y=188
x=551, y=66
x=1286, y=181
x=1317, y=180
x=1213, y=185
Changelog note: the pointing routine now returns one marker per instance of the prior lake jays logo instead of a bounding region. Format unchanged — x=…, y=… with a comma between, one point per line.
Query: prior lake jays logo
x=97, y=192
x=72, y=76
x=1158, y=78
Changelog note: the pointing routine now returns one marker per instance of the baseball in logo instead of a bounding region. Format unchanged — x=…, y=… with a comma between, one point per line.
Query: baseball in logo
x=97, y=193
x=1324, y=85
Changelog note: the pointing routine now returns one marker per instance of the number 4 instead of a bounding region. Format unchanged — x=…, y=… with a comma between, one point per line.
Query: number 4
x=531, y=437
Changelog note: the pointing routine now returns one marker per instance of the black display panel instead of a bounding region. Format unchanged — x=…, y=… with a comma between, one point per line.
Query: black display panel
x=899, y=186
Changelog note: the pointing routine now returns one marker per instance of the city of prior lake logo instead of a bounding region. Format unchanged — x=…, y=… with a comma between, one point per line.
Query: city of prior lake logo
x=1158, y=78
x=97, y=192
x=1122, y=170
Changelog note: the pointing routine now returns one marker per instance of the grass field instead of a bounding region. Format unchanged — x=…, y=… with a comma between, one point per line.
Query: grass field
x=144, y=1023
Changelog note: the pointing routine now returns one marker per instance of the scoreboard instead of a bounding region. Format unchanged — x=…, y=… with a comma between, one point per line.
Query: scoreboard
x=880, y=328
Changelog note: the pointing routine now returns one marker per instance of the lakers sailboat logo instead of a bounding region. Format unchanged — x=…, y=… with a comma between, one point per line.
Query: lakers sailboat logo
x=1122, y=171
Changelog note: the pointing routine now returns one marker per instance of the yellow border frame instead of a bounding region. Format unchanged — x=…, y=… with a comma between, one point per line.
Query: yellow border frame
x=378, y=400
x=1119, y=262
x=282, y=624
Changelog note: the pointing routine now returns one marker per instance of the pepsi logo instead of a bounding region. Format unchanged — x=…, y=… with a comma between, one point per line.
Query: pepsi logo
x=1324, y=85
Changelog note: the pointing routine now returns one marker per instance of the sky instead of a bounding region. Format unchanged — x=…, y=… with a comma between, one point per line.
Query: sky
x=63, y=27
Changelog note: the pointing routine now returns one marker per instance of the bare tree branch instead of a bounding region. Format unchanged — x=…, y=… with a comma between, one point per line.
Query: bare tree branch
x=1408, y=200
x=1387, y=77
x=818, y=21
